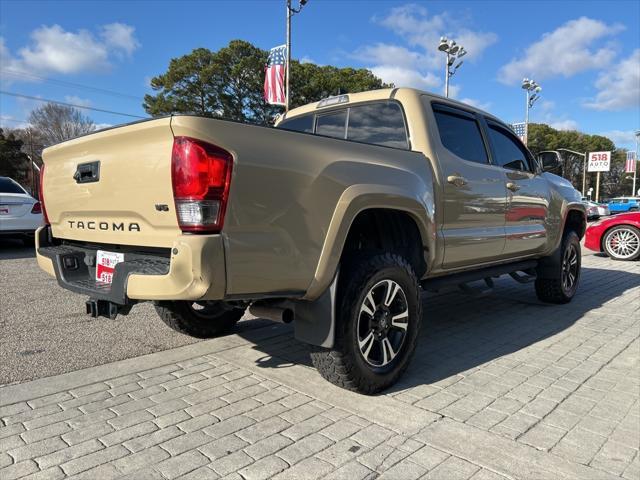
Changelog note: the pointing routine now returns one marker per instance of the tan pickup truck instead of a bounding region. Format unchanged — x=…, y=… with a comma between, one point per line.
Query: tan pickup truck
x=334, y=219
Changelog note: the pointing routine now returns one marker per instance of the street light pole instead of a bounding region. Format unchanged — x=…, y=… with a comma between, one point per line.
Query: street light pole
x=290, y=13
x=529, y=86
x=446, y=75
x=526, y=119
x=453, y=51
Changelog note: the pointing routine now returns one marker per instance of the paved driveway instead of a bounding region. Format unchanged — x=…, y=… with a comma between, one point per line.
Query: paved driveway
x=501, y=387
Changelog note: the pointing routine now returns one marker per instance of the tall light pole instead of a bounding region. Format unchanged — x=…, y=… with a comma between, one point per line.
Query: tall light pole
x=453, y=51
x=290, y=13
x=530, y=86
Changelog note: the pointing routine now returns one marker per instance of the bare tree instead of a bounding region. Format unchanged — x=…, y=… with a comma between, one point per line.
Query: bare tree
x=57, y=123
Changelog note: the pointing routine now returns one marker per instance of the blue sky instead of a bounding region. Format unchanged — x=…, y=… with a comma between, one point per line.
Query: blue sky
x=586, y=55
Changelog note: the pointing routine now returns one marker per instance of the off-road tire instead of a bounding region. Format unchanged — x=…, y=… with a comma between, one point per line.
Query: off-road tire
x=217, y=319
x=614, y=255
x=344, y=365
x=550, y=288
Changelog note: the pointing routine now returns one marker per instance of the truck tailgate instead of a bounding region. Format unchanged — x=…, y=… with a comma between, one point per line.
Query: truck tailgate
x=125, y=204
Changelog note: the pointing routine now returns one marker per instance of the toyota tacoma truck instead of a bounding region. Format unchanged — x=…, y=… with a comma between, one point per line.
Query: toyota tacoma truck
x=334, y=219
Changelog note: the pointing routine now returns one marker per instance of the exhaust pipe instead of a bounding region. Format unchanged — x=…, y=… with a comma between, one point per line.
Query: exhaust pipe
x=277, y=314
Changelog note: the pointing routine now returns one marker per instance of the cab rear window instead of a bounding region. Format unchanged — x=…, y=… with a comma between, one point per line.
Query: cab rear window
x=298, y=124
x=379, y=123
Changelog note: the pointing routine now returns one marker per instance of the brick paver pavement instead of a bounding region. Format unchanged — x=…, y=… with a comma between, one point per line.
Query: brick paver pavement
x=501, y=387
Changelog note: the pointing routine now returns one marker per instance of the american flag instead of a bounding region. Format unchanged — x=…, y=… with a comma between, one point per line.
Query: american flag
x=274, y=76
x=520, y=130
x=630, y=165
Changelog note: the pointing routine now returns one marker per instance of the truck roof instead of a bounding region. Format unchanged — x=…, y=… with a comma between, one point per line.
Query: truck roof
x=381, y=94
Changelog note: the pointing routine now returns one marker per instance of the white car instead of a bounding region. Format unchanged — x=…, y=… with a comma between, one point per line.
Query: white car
x=20, y=213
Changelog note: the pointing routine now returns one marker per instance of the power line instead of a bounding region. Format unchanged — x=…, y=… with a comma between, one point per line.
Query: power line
x=17, y=73
x=29, y=97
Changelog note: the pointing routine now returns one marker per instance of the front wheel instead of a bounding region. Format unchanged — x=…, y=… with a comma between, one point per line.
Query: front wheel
x=560, y=284
x=378, y=319
x=622, y=243
x=204, y=319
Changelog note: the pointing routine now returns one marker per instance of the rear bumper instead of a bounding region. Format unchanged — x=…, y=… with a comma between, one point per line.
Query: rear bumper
x=193, y=269
x=25, y=224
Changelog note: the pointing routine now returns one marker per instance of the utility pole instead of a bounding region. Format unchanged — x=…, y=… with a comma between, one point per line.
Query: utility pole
x=290, y=13
x=529, y=86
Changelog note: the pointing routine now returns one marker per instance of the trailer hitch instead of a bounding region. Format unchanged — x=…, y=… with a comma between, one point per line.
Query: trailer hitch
x=104, y=308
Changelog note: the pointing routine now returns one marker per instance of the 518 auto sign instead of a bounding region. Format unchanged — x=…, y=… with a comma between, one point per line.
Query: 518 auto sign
x=599, y=162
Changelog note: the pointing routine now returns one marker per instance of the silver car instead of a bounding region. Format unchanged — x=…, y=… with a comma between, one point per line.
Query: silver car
x=596, y=210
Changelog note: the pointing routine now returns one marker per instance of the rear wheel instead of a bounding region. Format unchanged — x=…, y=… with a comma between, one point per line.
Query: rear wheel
x=622, y=243
x=378, y=320
x=199, y=319
x=560, y=282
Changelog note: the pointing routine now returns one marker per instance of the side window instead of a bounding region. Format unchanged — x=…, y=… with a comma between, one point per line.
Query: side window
x=332, y=124
x=298, y=124
x=460, y=134
x=378, y=124
x=508, y=150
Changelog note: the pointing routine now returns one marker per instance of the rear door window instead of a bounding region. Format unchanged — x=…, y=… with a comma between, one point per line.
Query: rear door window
x=332, y=124
x=378, y=124
x=460, y=134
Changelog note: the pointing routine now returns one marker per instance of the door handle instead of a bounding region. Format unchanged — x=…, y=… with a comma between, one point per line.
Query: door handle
x=456, y=180
x=514, y=187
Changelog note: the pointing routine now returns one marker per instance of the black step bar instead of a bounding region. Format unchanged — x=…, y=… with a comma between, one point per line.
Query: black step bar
x=462, y=278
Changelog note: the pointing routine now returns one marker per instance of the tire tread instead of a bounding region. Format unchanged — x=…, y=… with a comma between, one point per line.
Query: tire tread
x=337, y=365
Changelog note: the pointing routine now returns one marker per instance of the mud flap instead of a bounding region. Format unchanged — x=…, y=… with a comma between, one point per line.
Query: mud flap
x=548, y=267
x=315, y=321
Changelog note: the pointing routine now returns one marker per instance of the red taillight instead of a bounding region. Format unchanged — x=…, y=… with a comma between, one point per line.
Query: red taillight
x=37, y=208
x=41, y=195
x=200, y=175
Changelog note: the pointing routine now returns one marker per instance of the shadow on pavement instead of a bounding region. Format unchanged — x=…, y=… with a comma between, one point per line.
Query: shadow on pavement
x=11, y=249
x=460, y=332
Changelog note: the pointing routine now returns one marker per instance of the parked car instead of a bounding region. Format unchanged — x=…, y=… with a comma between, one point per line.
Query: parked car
x=596, y=210
x=618, y=236
x=623, y=204
x=20, y=213
x=334, y=220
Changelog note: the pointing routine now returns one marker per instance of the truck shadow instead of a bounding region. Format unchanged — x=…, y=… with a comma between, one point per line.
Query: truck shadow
x=11, y=249
x=460, y=332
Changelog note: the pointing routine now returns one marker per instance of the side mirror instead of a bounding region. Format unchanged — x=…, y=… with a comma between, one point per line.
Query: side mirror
x=550, y=161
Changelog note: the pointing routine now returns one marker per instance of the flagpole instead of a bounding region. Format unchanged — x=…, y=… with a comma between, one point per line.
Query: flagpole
x=286, y=106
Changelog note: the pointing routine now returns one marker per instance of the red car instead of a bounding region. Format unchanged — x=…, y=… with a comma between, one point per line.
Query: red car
x=617, y=236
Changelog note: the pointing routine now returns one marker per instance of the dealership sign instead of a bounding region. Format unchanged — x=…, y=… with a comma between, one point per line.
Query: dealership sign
x=599, y=162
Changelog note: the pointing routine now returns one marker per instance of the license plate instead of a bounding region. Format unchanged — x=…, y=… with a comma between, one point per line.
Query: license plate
x=105, y=265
